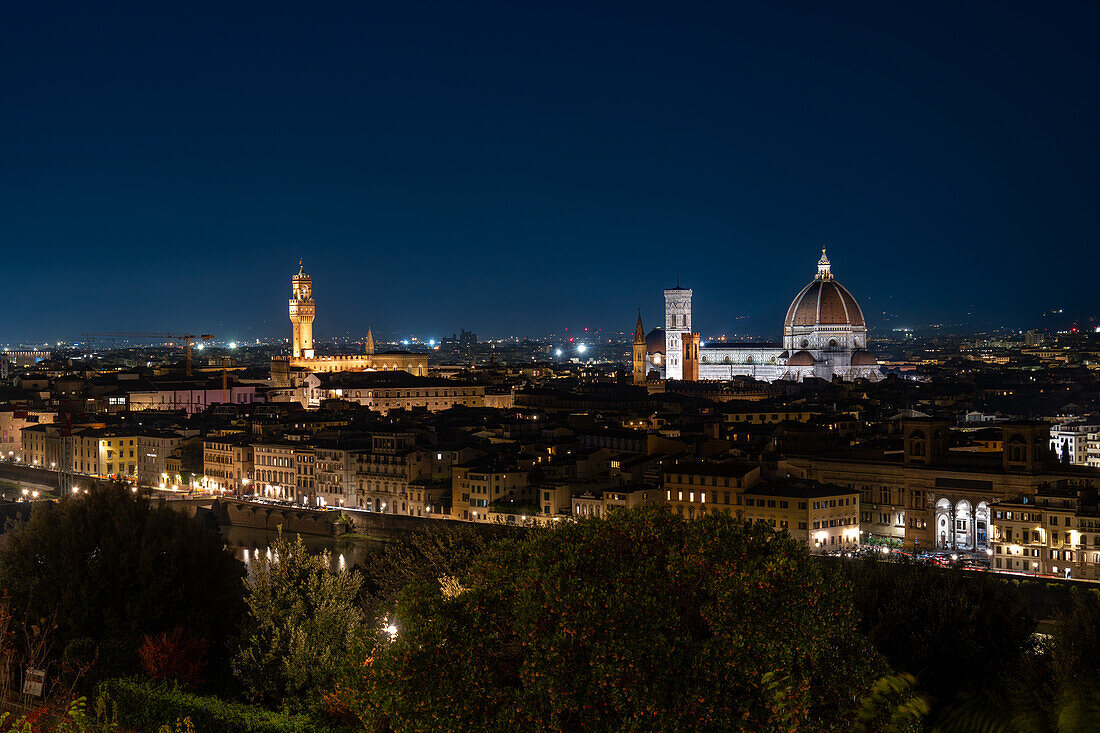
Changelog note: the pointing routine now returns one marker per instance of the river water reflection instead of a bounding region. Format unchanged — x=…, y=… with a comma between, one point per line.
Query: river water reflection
x=246, y=542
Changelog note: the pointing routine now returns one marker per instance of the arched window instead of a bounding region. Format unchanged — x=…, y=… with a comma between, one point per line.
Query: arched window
x=916, y=443
x=1017, y=449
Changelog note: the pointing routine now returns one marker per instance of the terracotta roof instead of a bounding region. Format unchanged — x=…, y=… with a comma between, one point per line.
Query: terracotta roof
x=655, y=341
x=801, y=358
x=824, y=303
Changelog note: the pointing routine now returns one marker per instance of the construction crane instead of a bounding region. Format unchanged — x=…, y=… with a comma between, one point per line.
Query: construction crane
x=186, y=338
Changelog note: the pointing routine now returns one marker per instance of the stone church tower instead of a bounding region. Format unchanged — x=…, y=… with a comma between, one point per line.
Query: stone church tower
x=639, y=352
x=677, y=323
x=302, y=314
x=691, y=357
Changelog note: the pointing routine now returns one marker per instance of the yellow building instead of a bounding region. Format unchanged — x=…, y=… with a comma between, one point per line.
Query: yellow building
x=385, y=472
x=1050, y=533
x=824, y=516
x=476, y=485
x=227, y=463
x=117, y=451
x=101, y=452
x=693, y=489
x=12, y=422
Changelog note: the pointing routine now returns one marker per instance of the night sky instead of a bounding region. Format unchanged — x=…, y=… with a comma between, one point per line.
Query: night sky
x=525, y=167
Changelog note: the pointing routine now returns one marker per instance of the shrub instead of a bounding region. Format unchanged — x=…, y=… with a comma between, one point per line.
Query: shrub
x=173, y=657
x=146, y=706
x=85, y=663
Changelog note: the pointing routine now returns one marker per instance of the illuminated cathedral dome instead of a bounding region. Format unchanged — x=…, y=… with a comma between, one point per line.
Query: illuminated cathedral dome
x=655, y=341
x=824, y=302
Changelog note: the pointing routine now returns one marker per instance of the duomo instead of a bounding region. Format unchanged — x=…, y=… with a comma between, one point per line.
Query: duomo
x=824, y=336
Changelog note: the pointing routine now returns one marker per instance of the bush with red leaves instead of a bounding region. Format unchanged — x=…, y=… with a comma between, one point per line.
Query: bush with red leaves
x=175, y=657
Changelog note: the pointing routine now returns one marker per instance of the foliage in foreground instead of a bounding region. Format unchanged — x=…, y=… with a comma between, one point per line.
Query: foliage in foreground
x=636, y=622
x=74, y=719
x=109, y=566
x=302, y=620
x=145, y=706
x=1052, y=687
x=949, y=628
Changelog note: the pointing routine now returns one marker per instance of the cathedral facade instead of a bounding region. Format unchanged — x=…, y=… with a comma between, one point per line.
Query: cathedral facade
x=824, y=336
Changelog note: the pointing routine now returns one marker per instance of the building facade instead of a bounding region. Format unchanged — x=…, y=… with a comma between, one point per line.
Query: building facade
x=391, y=390
x=1055, y=532
x=930, y=497
x=227, y=463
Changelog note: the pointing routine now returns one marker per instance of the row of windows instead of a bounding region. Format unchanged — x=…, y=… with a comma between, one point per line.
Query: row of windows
x=266, y=460
x=841, y=522
x=831, y=503
x=702, y=496
x=690, y=480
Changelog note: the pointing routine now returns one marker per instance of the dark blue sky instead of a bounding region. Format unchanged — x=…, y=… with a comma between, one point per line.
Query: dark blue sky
x=519, y=168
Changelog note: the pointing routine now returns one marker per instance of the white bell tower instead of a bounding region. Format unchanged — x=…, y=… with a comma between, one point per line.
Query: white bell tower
x=677, y=323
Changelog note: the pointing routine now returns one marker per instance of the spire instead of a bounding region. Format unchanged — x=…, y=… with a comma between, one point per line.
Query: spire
x=369, y=346
x=639, y=332
x=823, y=267
x=300, y=272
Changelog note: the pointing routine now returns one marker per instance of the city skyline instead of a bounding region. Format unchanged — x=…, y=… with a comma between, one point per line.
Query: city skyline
x=519, y=170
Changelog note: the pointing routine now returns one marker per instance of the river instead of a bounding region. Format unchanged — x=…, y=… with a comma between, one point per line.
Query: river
x=247, y=542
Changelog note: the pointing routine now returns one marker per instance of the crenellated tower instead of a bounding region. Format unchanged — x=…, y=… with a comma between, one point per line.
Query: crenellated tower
x=302, y=314
x=638, y=356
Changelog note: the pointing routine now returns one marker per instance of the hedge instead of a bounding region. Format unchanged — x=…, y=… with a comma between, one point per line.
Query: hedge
x=145, y=706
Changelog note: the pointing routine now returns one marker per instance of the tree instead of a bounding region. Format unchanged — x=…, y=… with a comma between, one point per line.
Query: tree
x=952, y=629
x=110, y=566
x=302, y=620
x=424, y=556
x=639, y=621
